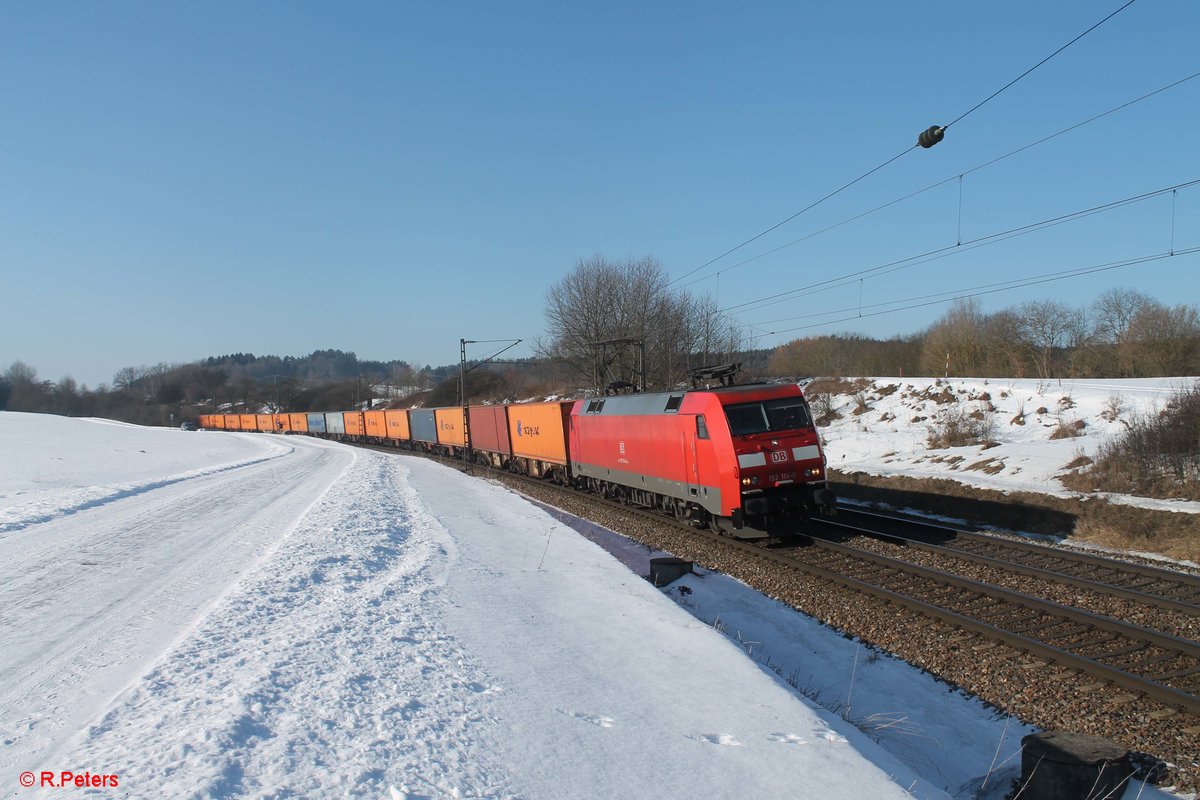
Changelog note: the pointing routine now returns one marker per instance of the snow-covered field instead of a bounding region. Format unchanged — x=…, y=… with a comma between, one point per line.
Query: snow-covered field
x=891, y=438
x=240, y=615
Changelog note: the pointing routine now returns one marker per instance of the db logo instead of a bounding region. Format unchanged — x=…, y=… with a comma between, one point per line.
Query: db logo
x=779, y=456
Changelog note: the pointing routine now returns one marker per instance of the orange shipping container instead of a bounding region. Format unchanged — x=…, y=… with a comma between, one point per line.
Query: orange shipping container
x=247, y=422
x=354, y=423
x=375, y=424
x=450, y=426
x=228, y=422
x=284, y=422
x=265, y=422
x=397, y=424
x=299, y=423
x=539, y=430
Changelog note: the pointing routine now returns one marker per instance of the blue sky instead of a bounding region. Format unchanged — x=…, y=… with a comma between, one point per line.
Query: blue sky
x=182, y=180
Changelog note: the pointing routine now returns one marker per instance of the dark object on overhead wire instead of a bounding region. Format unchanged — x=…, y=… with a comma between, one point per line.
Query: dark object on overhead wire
x=932, y=136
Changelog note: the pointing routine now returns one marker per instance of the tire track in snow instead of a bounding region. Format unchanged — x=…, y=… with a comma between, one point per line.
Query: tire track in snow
x=97, y=598
x=323, y=674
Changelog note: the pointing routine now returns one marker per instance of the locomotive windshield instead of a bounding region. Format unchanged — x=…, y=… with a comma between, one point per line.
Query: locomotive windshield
x=780, y=414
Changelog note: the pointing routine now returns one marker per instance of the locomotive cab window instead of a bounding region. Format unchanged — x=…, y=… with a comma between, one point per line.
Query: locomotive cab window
x=673, y=402
x=701, y=427
x=780, y=414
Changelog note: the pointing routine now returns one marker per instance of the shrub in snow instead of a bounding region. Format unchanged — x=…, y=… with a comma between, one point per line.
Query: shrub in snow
x=1068, y=430
x=957, y=427
x=1158, y=455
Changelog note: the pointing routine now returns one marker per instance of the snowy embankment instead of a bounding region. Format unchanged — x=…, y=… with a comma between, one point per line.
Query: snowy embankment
x=325, y=621
x=341, y=622
x=891, y=436
x=51, y=468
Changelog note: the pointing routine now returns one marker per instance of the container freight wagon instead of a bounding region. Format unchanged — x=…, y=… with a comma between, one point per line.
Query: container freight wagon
x=538, y=432
x=743, y=459
x=376, y=426
x=217, y=421
x=316, y=422
x=299, y=423
x=248, y=422
x=265, y=422
x=353, y=421
x=335, y=424
x=232, y=422
x=396, y=422
x=283, y=423
x=451, y=433
x=489, y=435
x=424, y=427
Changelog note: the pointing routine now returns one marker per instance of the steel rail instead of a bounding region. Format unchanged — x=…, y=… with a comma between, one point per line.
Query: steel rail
x=1024, y=569
x=1128, y=680
x=1098, y=561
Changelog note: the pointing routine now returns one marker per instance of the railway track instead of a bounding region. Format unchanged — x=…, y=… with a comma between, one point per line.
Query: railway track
x=1164, y=667
x=1151, y=586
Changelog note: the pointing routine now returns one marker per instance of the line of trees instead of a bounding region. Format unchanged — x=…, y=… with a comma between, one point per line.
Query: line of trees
x=604, y=315
x=1123, y=334
x=166, y=394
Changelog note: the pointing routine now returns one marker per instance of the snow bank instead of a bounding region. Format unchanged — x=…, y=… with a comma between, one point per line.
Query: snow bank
x=891, y=437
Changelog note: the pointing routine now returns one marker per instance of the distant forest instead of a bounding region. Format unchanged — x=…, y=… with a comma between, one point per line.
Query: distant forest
x=1123, y=334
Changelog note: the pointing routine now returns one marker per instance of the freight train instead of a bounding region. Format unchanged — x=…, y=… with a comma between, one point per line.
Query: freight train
x=742, y=460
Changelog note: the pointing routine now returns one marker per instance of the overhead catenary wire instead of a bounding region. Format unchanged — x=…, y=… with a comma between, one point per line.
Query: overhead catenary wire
x=807, y=208
x=1006, y=86
x=926, y=139
x=1030, y=282
x=944, y=296
x=991, y=238
x=951, y=178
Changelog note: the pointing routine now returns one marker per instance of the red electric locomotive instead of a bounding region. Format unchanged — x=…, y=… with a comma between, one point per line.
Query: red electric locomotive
x=746, y=460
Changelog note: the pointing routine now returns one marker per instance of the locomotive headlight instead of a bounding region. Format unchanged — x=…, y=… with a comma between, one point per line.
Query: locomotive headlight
x=750, y=481
x=812, y=473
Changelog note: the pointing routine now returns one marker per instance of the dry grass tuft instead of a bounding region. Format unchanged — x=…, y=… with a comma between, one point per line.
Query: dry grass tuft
x=1078, y=461
x=1068, y=430
x=835, y=386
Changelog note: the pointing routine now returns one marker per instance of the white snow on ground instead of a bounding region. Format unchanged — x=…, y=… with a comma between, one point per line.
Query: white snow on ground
x=323, y=621
x=48, y=469
x=892, y=437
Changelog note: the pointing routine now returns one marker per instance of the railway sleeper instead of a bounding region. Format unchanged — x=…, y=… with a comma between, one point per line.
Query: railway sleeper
x=1099, y=640
x=1050, y=623
x=1139, y=665
x=1182, y=672
x=1074, y=630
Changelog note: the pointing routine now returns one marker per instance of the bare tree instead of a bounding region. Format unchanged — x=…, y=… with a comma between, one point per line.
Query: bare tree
x=1045, y=327
x=126, y=378
x=957, y=339
x=1167, y=340
x=1112, y=321
x=602, y=301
